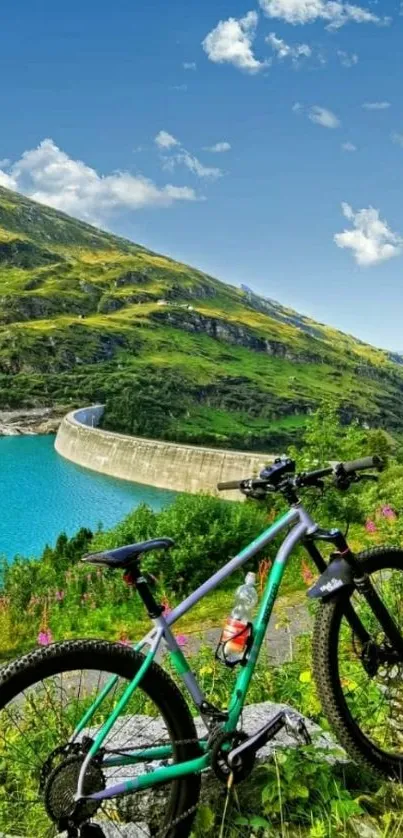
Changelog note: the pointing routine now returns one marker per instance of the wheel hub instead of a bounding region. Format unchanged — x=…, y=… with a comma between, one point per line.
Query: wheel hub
x=376, y=657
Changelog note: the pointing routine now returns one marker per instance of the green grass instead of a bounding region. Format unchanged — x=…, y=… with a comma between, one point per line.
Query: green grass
x=80, y=321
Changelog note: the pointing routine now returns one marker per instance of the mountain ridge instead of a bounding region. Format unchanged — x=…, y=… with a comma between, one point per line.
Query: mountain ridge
x=172, y=351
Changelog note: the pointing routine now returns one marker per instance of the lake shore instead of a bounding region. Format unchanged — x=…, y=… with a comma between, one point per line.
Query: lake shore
x=30, y=421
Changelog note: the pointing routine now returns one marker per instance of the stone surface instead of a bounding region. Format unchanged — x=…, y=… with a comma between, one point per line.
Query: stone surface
x=26, y=422
x=145, y=730
x=166, y=465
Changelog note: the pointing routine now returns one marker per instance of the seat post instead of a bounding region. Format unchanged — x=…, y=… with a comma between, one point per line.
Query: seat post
x=134, y=576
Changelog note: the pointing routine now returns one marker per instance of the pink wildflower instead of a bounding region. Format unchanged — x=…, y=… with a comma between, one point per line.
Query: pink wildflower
x=124, y=640
x=45, y=637
x=166, y=606
x=370, y=526
x=389, y=513
x=60, y=595
x=181, y=640
x=307, y=574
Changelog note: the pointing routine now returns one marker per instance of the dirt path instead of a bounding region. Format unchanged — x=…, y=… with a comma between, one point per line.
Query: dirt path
x=290, y=620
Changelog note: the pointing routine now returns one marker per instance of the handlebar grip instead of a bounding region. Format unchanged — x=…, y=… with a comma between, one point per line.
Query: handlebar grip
x=230, y=484
x=363, y=463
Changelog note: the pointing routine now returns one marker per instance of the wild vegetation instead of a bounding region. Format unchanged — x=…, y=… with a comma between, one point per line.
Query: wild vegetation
x=174, y=353
x=299, y=793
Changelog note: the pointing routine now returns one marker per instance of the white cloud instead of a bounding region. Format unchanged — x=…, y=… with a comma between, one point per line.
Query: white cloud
x=283, y=50
x=371, y=239
x=397, y=138
x=324, y=117
x=192, y=163
x=181, y=156
x=48, y=175
x=218, y=148
x=297, y=107
x=231, y=42
x=165, y=140
x=376, y=106
x=181, y=87
x=349, y=147
x=346, y=59
x=335, y=12
x=189, y=65
x=6, y=180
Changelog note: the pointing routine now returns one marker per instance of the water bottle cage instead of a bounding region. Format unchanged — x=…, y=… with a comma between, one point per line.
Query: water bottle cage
x=223, y=657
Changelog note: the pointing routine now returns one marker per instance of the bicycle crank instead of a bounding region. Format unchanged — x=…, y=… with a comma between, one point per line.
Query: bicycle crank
x=248, y=748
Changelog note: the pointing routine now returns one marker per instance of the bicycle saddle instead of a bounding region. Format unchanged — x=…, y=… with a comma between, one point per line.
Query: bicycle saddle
x=123, y=556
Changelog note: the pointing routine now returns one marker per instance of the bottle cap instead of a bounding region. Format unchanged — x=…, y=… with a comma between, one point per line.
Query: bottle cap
x=250, y=579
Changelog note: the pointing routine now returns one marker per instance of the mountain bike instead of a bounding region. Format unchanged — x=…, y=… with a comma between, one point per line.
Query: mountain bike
x=96, y=739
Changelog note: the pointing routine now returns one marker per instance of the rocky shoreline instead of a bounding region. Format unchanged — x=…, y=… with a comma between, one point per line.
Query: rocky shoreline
x=30, y=422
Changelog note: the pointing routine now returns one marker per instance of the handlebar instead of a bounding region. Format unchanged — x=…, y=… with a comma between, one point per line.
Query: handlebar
x=363, y=463
x=343, y=475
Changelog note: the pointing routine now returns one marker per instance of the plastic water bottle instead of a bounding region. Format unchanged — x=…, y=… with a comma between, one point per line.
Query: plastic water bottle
x=236, y=631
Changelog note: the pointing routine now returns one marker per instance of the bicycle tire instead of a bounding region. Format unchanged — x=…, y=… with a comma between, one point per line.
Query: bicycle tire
x=156, y=684
x=326, y=670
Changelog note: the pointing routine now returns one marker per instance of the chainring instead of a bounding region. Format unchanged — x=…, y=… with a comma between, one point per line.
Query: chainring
x=219, y=757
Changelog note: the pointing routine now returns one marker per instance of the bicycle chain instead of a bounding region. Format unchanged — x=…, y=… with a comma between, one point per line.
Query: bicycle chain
x=74, y=748
x=177, y=820
x=164, y=832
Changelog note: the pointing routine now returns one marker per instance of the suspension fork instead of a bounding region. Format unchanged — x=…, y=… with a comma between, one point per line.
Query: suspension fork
x=363, y=585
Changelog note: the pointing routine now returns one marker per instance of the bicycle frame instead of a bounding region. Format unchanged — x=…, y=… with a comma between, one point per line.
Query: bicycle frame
x=302, y=525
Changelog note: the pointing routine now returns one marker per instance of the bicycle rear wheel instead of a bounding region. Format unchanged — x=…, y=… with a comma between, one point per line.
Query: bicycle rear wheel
x=361, y=688
x=42, y=698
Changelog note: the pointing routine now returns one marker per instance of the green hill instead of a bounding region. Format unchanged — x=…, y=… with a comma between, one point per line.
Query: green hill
x=86, y=316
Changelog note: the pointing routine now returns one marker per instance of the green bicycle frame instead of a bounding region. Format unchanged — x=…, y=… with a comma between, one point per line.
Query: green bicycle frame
x=302, y=525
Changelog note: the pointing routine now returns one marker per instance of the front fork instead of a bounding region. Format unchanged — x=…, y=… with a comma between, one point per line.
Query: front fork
x=364, y=587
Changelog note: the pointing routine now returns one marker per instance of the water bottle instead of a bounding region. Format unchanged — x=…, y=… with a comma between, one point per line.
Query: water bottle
x=236, y=631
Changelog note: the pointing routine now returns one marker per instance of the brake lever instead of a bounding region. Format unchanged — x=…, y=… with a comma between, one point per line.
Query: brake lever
x=255, y=492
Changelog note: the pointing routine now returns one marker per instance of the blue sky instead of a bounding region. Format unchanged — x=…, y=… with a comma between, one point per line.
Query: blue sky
x=284, y=83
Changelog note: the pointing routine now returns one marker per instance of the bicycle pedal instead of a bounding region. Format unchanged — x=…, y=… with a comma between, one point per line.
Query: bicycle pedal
x=296, y=727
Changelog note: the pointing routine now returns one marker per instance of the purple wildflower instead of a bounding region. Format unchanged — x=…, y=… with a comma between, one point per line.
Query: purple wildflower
x=181, y=640
x=388, y=512
x=60, y=595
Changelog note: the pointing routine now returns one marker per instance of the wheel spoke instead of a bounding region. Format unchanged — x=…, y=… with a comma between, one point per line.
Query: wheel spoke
x=369, y=694
x=40, y=764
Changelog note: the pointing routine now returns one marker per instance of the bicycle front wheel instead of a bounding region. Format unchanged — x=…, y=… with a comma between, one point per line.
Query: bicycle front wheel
x=361, y=686
x=42, y=698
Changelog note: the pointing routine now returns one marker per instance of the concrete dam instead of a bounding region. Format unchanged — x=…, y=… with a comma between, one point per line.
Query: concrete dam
x=166, y=465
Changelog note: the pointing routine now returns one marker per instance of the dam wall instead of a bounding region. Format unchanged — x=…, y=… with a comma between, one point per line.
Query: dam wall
x=166, y=465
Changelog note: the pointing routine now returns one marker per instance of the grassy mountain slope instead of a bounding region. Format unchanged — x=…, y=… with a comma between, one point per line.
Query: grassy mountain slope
x=87, y=316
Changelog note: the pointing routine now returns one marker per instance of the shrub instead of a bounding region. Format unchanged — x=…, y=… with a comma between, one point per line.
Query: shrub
x=207, y=532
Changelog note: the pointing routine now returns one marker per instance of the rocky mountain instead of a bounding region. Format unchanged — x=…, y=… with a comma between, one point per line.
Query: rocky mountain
x=86, y=316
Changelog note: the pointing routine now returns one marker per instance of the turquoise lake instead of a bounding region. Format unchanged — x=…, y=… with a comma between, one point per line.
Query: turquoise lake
x=41, y=495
